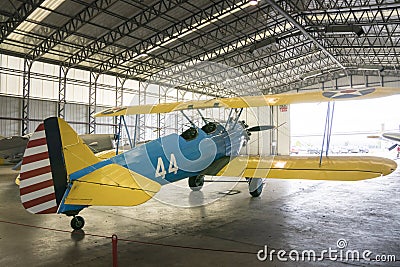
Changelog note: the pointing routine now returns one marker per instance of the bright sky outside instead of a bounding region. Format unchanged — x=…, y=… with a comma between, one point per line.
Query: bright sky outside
x=358, y=116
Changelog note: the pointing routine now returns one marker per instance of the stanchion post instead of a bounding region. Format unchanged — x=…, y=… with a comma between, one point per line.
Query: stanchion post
x=115, y=250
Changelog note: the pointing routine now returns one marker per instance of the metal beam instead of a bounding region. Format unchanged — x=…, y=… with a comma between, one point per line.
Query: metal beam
x=26, y=88
x=92, y=101
x=304, y=31
x=70, y=27
x=119, y=94
x=141, y=127
x=123, y=29
x=26, y=8
x=170, y=33
x=62, y=86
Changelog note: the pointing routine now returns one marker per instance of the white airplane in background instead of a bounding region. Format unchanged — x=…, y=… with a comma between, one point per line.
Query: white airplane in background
x=391, y=136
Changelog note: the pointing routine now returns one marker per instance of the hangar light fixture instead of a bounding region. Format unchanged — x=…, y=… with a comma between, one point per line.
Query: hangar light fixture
x=340, y=29
x=271, y=41
x=379, y=68
x=253, y=2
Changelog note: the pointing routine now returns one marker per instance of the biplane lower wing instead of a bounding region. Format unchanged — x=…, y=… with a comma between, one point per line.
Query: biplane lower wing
x=341, y=168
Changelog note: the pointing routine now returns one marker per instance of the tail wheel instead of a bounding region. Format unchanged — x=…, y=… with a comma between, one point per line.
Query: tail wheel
x=255, y=186
x=196, y=182
x=77, y=222
x=257, y=192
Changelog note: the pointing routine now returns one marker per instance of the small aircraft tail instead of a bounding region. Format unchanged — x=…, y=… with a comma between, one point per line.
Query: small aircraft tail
x=53, y=152
x=58, y=169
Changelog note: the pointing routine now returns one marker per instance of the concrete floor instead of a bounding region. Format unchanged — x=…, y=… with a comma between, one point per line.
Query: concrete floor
x=300, y=215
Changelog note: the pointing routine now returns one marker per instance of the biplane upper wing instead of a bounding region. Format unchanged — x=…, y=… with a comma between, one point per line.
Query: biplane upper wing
x=342, y=168
x=255, y=101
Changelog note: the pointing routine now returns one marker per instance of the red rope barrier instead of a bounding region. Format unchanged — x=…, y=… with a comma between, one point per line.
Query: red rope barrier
x=131, y=240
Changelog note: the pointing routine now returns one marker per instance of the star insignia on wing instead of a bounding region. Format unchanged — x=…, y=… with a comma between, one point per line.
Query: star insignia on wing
x=113, y=110
x=349, y=93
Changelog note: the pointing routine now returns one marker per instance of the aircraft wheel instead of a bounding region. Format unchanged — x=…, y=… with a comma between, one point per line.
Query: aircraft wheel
x=255, y=186
x=77, y=222
x=196, y=182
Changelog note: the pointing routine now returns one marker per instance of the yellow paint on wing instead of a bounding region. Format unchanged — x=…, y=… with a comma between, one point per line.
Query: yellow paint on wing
x=254, y=101
x=112, y=185
x=298, y=167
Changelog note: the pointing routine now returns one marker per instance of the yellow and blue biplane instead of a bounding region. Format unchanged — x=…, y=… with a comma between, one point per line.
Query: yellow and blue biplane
x=60, y=174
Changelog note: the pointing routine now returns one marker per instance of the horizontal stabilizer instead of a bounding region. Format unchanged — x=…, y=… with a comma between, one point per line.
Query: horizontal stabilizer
x=112, y=185
x=299, y=167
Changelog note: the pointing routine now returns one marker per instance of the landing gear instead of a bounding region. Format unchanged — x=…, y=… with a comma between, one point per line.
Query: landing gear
x=77, y=222
x=255, y=186
x=196, y=182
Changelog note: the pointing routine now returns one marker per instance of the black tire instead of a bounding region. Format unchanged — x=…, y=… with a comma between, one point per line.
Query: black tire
x=257, y=192
x=196, y=182
x=77, y=222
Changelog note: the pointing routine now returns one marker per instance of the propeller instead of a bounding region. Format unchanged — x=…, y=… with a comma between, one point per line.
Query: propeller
x=261, y=128
x=393, y=147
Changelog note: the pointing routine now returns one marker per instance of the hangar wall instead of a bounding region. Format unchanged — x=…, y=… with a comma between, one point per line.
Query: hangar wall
x=111, y=91
x=44, y=94
x=273, y=142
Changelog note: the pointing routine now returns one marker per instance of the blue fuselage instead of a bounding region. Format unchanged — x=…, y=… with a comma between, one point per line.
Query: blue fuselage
x=172, y=157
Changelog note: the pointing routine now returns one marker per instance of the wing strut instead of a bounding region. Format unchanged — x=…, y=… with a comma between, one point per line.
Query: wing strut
x=127, y=131
x=118, y=137
x=238, y=113
x=122, y=119
x=327, y=131
x=190, y=121
x=201, y=115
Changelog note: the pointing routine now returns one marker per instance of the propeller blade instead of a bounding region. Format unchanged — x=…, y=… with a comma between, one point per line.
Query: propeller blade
x=261, y=128
x=393, y=147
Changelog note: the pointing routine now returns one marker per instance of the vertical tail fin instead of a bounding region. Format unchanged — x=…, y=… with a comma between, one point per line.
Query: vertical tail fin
x=53, y=152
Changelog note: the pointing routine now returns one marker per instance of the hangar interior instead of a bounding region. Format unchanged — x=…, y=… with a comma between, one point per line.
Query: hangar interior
x=73, y=58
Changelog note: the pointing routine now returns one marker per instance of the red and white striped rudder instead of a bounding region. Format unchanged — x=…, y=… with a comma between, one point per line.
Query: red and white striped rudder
x=36, y=180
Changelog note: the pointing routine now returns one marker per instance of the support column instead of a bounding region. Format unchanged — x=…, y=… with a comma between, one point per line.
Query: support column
x=92, y=101
x=272, y=137
x=179, y=118
x=62, y=86
x=162, y=98
x=26, y=88
x=141, y=127
x=119, y=93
